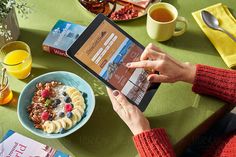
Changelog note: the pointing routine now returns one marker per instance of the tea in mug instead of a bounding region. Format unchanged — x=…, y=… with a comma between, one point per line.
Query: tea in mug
x=162, y=15
x=161, y=21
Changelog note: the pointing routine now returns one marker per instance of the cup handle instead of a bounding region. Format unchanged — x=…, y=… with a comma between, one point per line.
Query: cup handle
x=183, y=20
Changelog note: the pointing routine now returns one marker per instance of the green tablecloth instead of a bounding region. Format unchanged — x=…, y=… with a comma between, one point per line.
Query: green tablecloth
x=174, y=106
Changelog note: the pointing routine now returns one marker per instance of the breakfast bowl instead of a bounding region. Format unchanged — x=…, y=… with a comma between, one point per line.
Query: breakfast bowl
x=55, y=104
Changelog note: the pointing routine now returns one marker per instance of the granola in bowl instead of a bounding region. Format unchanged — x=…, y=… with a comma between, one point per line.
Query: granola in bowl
x=56, y=107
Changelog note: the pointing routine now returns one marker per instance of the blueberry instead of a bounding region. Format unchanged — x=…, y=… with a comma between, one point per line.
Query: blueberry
x=57, y=101
x=69, y=114
x=85, y=95
x=62, y=130
x=54, y=105
x=72, y=105
x=64, y=93
x=61, y=114
x=50, y=118
x=67, y=99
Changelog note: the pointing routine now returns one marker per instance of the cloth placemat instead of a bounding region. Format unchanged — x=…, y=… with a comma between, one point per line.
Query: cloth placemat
x=222, y=42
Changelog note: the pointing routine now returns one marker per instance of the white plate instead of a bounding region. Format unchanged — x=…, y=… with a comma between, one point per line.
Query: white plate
x=109, y=6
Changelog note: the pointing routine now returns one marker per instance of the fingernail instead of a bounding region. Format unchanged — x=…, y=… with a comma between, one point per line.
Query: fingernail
x=150, y=79
x=128, y=64
x=115, y=93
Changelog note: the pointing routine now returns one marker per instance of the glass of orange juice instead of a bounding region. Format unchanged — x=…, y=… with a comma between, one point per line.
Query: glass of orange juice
x=16, y=58
x=5, y=91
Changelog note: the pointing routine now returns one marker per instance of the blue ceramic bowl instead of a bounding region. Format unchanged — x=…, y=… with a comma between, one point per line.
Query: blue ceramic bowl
x=66, y=78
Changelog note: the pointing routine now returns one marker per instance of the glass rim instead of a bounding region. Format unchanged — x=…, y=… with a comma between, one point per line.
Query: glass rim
x=28, y=51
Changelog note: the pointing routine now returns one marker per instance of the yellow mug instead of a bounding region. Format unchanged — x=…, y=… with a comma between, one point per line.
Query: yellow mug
x=161, y=21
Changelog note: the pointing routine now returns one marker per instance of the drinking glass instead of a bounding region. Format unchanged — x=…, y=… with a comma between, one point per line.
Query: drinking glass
x=5, y=91
x=16, y=58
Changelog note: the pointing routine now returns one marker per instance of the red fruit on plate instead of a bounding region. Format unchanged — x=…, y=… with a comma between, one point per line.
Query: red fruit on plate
x=45, y=93
x=45, y=115
x=68, y=107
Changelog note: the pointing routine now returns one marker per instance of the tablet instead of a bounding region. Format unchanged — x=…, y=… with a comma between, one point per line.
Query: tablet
x=103, y=49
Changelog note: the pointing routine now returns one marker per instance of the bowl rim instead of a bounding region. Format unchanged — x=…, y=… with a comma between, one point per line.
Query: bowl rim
x=70, y=131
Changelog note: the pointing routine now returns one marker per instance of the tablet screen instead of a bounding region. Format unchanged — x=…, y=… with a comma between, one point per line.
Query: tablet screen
x=104, y=50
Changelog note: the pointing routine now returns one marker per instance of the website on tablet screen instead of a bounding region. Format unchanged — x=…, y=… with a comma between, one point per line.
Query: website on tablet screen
x=106, y=52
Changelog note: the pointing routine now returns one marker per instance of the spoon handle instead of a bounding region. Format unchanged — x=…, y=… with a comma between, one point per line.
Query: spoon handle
x=229, y=34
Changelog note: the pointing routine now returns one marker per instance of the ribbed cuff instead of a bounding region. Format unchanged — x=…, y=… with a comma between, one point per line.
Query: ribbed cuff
x=153, y=143
x=217, y=82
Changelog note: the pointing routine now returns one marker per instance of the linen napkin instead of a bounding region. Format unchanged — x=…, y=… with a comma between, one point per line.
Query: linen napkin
x=222, y=42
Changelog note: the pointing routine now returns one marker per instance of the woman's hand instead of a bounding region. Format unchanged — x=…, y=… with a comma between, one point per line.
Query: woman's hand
x=170, y=70
x=129, y=113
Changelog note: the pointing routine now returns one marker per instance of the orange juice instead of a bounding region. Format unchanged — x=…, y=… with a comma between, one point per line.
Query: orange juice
x=19, y=63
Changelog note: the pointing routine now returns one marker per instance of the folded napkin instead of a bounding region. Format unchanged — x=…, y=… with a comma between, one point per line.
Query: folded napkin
x=222, y=42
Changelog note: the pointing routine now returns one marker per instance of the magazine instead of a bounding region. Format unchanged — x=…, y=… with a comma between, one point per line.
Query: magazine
x=16, y=145
x=61, y=37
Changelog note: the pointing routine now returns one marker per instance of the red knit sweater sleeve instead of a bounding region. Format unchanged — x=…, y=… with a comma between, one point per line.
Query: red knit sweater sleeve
x=217, y=82
x=210, y=81
x=153, y=143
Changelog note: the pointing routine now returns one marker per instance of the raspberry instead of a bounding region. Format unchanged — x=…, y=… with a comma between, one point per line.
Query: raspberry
x=45, y=93
x=44, y=115
x=68, y=107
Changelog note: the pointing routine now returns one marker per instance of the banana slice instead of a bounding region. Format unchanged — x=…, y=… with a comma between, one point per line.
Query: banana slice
x=79, y=102
x=81, y=110
x=68, y=122
x=58, y=126
x=70, y=90
x=78, y=113
x=83, y=105
x=63, y=123
x=76, y=98
x=76, y=93
x=49, y=127
x=74, y=118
